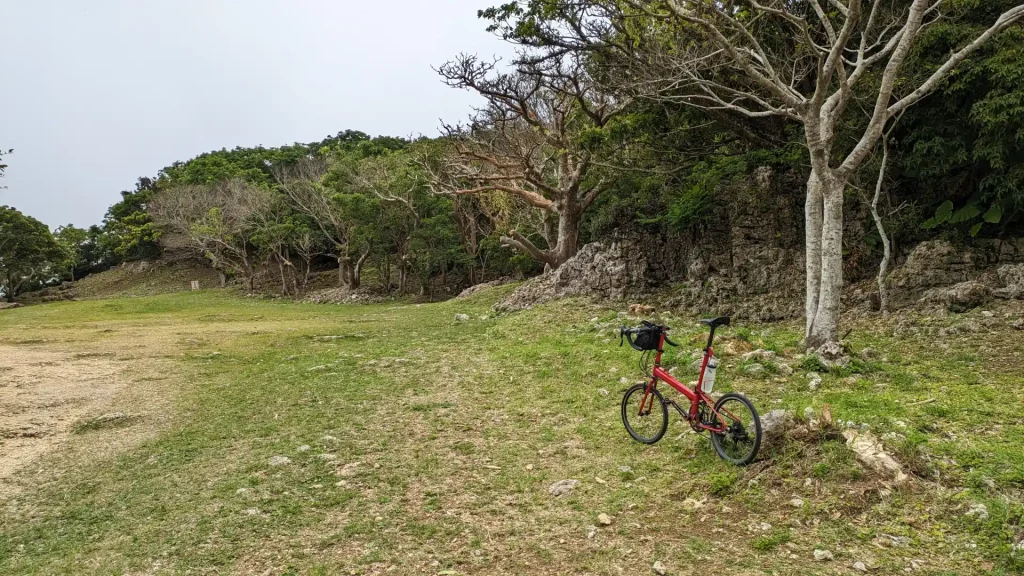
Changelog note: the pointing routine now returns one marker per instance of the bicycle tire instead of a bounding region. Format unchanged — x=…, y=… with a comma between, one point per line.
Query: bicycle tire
x=738, y=437
x=632, y=412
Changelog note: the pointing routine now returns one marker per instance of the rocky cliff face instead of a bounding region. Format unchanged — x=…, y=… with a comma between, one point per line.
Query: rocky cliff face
x=747, y=259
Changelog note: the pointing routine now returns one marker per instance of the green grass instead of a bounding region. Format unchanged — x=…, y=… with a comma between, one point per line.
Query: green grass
x=446, y=435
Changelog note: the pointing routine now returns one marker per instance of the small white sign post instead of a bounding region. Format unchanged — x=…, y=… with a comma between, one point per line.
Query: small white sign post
x=195, y=284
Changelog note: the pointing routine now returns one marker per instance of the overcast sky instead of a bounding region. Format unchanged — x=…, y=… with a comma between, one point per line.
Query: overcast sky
x=95, y=94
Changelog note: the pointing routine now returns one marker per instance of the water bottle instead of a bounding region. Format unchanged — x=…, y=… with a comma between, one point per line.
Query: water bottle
x=709, y=375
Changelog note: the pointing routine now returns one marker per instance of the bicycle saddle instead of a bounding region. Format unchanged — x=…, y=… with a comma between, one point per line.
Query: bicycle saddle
x=716, y=322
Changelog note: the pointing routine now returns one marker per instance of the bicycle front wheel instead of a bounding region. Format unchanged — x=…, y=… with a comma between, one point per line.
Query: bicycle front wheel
x=644, y=414
x=741, y=440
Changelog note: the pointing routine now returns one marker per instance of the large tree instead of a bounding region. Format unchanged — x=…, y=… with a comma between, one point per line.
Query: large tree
x=28, y=252
x=805, y=61
x=530, y=140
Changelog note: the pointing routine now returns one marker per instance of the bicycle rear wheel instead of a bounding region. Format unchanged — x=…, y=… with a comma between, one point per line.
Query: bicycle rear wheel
x=742, y=437
x=644, y=414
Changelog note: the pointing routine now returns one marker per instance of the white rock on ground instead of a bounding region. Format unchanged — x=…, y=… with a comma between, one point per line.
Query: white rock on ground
x=870, y=452
x=461, y=317
x=759, y=354
x=563, y=487
x=660, y=568
x=860, y=566
x=604, y=519
x=823, y=555
x=279, y=460
x=979, y=511
x=796, y=503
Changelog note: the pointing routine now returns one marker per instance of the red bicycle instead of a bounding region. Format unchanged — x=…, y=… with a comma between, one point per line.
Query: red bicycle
x=732, y=421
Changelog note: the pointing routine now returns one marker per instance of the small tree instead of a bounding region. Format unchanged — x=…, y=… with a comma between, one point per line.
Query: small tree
x=216, y=222
x=28, y=252
x=74, y=242
x=530, y=141
x=333, y=210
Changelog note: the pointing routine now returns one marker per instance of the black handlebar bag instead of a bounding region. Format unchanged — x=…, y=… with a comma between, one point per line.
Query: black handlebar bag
x=648, y=338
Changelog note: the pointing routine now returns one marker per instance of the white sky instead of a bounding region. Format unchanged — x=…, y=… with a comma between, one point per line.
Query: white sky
x=94, y=94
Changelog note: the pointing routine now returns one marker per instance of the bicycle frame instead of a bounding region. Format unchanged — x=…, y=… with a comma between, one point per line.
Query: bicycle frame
x=696, y=396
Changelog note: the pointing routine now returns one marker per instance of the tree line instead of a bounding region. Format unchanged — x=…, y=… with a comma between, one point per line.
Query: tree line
x=627, y=113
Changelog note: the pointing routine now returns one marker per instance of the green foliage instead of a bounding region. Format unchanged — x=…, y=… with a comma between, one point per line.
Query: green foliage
x=28, y=252
x=772, y=540
x=3, y=166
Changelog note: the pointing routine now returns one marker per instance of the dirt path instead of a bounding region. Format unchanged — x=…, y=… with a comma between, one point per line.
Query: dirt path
x=43, y=394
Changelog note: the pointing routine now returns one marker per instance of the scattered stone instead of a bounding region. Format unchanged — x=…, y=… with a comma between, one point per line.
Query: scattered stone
x=959, y=297
x=529, y=467
x=760, y=355
x=871, y=453
x=987, y=313
x=623, y=380
x=1018, y=325
x=10, y=305
x=279, y=460
x=603, y=391
x=775, y=423
x=693, y=504
x=979, y=511
x=860, y=566
x=809, y=413
x=660, y=568
x=290, y=358
x=604, y=519
x=594, y=320
x=785, y=369
x=640, y=310
x=796, y=503
x=326, y=457
x=1018, y=547
x=823, y=555
x=625, y=469
x=890, y=540
x=563, y=487
x=868, y=354
x=349, y=469
x=461, y=317
x=242, y=491
x=753, y=369
x=696, y=365
x=251, y=511
x=813, y=381
x=591, y=531
x=304, y=448
x=600, y=480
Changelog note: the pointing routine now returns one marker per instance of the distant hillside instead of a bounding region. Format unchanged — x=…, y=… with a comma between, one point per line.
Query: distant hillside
x=130, y=280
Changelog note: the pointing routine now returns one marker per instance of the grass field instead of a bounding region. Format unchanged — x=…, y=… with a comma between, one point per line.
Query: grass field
x=266, y=437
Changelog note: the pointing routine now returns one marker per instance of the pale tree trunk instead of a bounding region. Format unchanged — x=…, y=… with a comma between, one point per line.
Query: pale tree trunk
x=813, y=213
x=883, y=268
x=823, y=323
x=284, y=279
x=223, y=278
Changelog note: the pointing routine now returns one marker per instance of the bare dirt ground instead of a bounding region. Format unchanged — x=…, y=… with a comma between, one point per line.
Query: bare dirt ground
x=43, y=394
